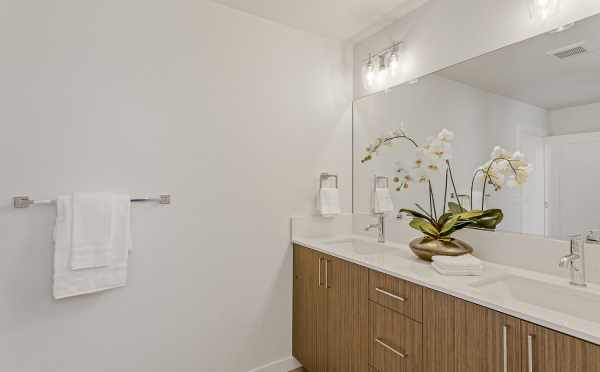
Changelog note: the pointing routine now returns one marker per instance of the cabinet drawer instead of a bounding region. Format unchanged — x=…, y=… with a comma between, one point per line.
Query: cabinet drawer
x=395, y=341
x=396, y=294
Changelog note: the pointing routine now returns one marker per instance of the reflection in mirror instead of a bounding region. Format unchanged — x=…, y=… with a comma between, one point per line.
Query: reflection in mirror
x=540, y=97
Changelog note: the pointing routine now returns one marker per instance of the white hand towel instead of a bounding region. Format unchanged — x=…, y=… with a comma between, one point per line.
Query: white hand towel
x=329, y=202
x=382, y=201
x=92, y=229
x=68, y=282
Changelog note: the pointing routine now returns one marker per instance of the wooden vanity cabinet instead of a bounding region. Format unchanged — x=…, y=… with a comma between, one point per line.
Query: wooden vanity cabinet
x=459, y=336
x=330, y=313
x=347, y=318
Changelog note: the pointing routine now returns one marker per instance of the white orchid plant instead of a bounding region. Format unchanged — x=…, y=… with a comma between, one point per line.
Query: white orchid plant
x=503, y=169
x=434, y=158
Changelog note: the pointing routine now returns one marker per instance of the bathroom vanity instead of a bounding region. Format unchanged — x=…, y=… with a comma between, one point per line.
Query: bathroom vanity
x=362, y=306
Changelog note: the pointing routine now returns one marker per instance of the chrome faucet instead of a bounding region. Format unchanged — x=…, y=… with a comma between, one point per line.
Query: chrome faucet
x=575, y=261
x=380, y=228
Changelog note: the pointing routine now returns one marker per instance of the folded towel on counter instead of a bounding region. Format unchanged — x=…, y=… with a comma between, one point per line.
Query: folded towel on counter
x=69, y=282
x=458, y=272
x=458, y=265
x=382, y=201
x=329, y=202
x=92, y=229
x=464, y=261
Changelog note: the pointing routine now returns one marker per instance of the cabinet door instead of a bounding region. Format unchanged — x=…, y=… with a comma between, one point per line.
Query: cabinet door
x=309, y=304
x=545, y=350
x=486, y=340
x=347, y=316
x=438, y=332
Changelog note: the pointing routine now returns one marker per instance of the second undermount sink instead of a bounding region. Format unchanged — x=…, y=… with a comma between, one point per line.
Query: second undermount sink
x=568, y=300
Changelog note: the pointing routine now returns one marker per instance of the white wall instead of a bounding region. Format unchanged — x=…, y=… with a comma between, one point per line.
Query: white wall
x=445, y=32
x=577, y=119
x=233, y=115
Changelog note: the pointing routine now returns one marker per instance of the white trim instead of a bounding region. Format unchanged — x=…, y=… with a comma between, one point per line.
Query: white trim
x=574, y=138
x=282, y=365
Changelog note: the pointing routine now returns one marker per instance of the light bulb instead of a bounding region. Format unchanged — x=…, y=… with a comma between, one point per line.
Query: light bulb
x=543, y=9
x=394, y=63
x=369, y=74
x=382, y=72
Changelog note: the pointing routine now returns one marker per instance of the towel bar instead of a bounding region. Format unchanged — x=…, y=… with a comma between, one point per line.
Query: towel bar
x=26, y=201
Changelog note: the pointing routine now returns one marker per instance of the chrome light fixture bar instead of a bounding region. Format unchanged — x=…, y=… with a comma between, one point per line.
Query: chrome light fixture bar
x=380, y=66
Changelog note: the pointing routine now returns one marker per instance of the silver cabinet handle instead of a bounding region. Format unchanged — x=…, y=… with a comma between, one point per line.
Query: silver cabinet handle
x=327, y=274
x=390, y=348
x=505, y=348
x=383, y=291
x=319, y=264
x=530, y=353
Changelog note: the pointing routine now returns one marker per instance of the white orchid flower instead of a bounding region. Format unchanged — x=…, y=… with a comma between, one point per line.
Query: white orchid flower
x=512, y=182
x=518, y=156
x=440, y=150
x=446, y=136
x=499, y=152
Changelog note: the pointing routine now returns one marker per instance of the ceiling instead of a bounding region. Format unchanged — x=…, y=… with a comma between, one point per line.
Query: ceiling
x=526, y=72
x=337, y=19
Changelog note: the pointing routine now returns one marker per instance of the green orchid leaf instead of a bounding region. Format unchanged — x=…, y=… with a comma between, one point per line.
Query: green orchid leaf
x=469, y=215
x=455, y=208
x=424, y=211
x=417, y=214
x=425, y=227
x=444, y=218
x=489, y=220
x=449, y=226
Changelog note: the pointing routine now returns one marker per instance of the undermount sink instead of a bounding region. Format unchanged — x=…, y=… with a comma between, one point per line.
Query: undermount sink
x=572, y=301
x=364, y=247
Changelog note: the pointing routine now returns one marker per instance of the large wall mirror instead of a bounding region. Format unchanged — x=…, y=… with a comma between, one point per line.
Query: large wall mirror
x=540, y=97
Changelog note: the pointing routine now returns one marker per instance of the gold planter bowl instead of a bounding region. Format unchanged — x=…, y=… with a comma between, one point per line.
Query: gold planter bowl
x=427, y=247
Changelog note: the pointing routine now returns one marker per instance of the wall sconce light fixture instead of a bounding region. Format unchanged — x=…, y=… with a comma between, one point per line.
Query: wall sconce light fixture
x=380, y=66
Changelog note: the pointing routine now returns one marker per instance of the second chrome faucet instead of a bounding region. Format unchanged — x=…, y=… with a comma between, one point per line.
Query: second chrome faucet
x=575, y=260
x=380, y=226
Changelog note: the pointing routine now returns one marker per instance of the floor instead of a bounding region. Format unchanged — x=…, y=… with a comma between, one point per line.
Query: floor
x=298, y=370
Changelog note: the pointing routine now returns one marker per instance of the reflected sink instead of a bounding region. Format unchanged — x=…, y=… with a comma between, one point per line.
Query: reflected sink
x=573, y=301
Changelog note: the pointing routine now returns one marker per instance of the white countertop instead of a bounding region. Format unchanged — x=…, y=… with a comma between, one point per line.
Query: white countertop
x=397, y=260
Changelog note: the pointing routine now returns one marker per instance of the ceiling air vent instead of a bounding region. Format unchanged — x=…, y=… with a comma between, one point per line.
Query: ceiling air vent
x=568, y=51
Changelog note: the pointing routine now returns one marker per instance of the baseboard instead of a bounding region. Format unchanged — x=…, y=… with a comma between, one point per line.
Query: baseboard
x=283, y=365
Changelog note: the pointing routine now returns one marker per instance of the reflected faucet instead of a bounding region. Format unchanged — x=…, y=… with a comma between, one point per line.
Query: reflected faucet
x=380, y=228
x=575, y=261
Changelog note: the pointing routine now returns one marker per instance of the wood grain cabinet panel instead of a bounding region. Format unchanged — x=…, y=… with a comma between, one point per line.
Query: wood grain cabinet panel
x=485, y=340
x=438, y=332
x=309, y=310
x=395, y=343
x=348, y=316
x=396, y=294
x=545, y=350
